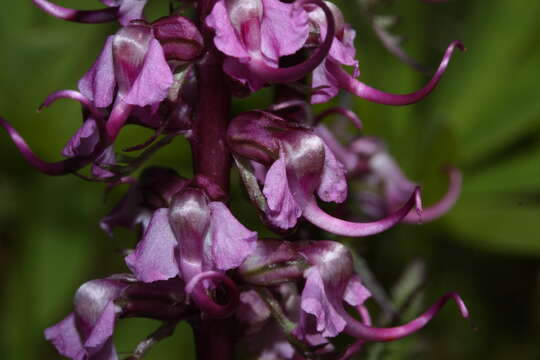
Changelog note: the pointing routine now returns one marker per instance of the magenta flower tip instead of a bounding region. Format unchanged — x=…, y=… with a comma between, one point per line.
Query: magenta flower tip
x=82, y=16
x=51, y=168
x=360, y=330
x=73, y=95
x=367, y=92
x=346, y=113
x=444, y=205
x=314, y=214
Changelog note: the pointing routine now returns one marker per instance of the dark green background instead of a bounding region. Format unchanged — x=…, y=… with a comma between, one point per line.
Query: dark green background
x=484, y=117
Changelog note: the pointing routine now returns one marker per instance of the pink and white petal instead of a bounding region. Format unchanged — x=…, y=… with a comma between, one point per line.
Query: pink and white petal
x=225, y=38
x=102, y=330
x=333, y=186
x=66, y=339
x=356, y=293
x=99, y=82
x=154, y=258
x=84, y=141
x=315, y=301
x=284, y=211
x=284, y=29
x=231, y=242
x=154, y=80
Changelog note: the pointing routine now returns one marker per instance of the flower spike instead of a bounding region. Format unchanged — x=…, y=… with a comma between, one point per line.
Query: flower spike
x=196, y=290
x=359, y=330
x=445, y=204
x=364, y=91
x=81, y=16
x=314, y=214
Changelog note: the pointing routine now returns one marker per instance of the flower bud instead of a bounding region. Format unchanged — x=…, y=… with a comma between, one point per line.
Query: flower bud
x=253, y=135
x=159, y=184
x=179, y=37
x=272, y=262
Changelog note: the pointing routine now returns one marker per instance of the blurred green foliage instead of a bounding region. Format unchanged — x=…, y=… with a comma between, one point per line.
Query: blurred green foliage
x=484, y=117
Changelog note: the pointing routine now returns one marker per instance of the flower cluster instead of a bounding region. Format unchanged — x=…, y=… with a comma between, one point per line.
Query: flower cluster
x=194, y=261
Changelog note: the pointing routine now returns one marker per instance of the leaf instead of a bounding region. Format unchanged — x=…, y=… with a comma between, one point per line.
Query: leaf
x=494, y=222
x=519, y=173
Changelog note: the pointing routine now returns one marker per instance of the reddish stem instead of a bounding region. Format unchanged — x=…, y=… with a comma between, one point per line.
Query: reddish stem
x=214, y=339
x=211, y=157
x=212, y=160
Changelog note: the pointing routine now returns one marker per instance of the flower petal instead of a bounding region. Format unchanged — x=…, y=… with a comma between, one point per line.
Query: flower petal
x=84, y=141
x=189, y=216
x=284, y=29
x=316, y=301
x=52, y=168
x=325, y=82
x=232, y=243
x=356, y=293
x=99, y=82
x=66, y=339
x=283, y=209
x=154, y=80
x=154, y=258
x=333, y=186
x=225, y=39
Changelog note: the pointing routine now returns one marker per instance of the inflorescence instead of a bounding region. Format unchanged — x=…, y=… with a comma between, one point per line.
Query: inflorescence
x=194, y=261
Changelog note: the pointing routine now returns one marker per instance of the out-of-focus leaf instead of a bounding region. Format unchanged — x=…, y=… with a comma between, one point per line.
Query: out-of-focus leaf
x=493, y=222
x=520, y=172
x=498, y=39
x=409, y=283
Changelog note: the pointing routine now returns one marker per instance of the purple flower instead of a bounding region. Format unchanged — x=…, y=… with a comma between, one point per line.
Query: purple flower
x=342, y=52
x=192, y=259
x=132, y=61
x=298, y=164
x=337, y=77
x=154, y=190
x=123, y=10
x=369, y=161
x=194, y=235
x=383, y=171
x=330, y=282
x=86, y=333
x=82, y=149
x=254, y=34
x=329, y=77
x=131, y=81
